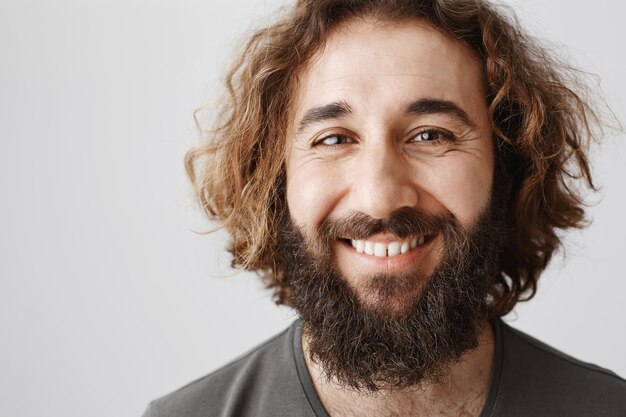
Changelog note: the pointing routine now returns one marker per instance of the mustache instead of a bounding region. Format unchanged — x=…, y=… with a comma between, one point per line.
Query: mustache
x=404, y=222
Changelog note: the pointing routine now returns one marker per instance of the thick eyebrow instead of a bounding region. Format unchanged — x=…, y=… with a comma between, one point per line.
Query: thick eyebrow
x=332, y=110
x=434, y=106
x=338, y=109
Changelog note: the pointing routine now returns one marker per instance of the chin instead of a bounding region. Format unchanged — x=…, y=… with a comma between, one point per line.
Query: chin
x=390, y=295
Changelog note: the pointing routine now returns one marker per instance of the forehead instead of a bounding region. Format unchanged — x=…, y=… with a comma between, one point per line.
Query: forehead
x=374, y=65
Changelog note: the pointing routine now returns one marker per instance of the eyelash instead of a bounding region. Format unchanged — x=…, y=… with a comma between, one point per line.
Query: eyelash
x=443, y=136
x=321, y=140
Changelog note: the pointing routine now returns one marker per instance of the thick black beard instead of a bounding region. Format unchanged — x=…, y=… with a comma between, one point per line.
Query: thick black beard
x=370, y=346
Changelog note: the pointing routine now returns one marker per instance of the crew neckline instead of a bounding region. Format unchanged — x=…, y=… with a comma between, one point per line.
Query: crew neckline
x=318, y=409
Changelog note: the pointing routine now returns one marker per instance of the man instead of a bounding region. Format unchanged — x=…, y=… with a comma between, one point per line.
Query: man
x=397, y=172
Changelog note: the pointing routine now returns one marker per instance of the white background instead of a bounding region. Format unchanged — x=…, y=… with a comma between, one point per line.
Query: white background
x=108, y=298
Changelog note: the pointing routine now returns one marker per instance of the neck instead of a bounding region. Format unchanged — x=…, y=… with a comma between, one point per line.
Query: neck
x=463, y=390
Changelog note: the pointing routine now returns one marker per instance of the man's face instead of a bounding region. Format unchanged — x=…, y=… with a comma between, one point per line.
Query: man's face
x=389, y=116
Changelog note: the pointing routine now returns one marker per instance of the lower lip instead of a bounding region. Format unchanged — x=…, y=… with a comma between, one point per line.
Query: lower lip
x=388, y=263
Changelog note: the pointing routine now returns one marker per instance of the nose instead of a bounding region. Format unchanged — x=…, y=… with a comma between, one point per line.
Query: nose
x=383, y=182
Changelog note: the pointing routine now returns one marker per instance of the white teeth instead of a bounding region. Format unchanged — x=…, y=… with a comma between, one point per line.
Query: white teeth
x=405, y=247
x=382, y=250
x=393, y=248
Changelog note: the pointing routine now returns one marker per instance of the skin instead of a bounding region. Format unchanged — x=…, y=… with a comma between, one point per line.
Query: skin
x=376, y=158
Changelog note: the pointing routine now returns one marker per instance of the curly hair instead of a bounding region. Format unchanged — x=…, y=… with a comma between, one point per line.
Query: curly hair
x=542, y=125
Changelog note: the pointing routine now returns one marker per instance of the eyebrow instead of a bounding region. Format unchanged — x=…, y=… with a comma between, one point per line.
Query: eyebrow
x=334, y=110
x=436, y=106
x=341, y=108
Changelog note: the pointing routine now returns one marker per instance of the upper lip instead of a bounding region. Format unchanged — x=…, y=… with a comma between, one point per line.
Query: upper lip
x=387, y=237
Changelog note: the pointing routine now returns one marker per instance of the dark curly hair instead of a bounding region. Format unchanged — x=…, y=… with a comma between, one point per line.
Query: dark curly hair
x=542, y=124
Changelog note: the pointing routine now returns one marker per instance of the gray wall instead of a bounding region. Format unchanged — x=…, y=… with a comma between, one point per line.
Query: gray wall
x=107, y=296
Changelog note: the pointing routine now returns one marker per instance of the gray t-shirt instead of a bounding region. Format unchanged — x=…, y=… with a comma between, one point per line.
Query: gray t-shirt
x=528, y=378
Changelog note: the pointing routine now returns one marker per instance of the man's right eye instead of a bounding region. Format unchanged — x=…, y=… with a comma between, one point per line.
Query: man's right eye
x=331, y=140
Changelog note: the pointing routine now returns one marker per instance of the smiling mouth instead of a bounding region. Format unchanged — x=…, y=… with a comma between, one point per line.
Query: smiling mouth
x=389, y=249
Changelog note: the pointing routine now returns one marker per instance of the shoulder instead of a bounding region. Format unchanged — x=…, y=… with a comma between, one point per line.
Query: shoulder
x=254, y=380
x=554, y=383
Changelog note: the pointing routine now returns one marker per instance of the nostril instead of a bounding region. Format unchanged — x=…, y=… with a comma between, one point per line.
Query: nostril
x=379, y=199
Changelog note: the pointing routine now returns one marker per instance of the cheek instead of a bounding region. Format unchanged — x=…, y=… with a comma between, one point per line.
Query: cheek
x=465, y=189
x=311, y=194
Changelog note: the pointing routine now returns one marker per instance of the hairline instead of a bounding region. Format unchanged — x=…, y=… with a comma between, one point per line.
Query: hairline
x=378, y=19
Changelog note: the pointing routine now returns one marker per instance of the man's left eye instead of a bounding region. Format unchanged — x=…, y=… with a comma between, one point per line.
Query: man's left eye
x=431, y=135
